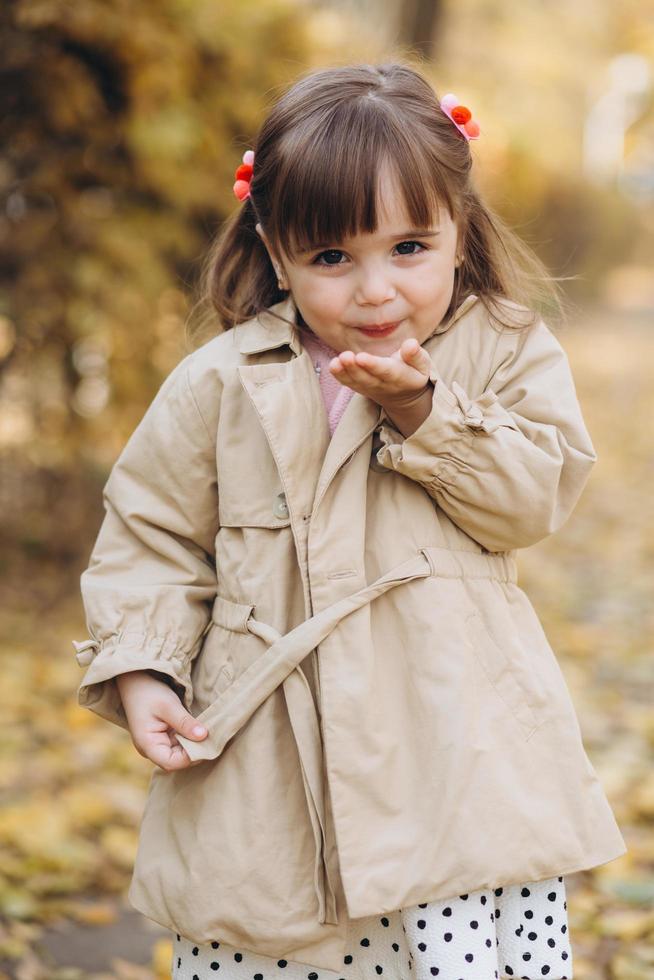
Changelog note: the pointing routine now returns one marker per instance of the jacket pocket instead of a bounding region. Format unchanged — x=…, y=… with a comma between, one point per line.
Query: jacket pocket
x=509, y=669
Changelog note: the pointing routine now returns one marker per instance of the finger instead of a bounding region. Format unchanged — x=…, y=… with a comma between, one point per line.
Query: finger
x=159, y=743
x=415, y=355
x=409, y=348
x=366, y=373
x=344, y=371
x=362, y=364
x=382, y=368
x=344, y=360
x=165, y=751
x=409, y=351
x=182, y=721
x=179, y=757
x=338, y=368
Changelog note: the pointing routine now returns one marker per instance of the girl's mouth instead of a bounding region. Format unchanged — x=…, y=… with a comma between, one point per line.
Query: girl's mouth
x=383, y=330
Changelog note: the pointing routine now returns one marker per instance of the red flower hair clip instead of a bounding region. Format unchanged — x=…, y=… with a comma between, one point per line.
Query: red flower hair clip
x=460, y=116
x=244, y=176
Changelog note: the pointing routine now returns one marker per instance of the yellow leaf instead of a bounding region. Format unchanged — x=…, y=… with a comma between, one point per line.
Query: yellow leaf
x=120, y=844
x=96, y=913
x=77, y=718
x=643, y=796
x=627, y=924
x=162, y=954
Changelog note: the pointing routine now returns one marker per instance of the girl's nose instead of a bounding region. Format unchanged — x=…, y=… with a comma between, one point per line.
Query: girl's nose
x=374, y=286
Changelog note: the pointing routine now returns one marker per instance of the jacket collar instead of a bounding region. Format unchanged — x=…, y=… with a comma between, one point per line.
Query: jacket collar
x=266, y=331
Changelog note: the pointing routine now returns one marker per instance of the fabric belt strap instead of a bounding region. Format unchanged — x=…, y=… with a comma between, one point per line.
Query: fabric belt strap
x=279, y=664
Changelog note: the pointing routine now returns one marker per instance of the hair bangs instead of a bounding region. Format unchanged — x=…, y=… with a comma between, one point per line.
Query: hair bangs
x=330, y=190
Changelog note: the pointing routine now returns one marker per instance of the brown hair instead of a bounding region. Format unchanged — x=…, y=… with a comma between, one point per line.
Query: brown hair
x=317, y=159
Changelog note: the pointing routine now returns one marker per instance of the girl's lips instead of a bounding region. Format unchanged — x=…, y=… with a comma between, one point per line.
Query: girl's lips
x=381, y=331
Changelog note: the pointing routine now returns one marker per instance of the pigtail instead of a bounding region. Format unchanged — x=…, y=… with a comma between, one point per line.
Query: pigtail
x=237, y=280
x=497, y=264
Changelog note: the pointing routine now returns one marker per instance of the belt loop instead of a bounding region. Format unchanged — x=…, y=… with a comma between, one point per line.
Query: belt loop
x=509, y=570
x=425, y=553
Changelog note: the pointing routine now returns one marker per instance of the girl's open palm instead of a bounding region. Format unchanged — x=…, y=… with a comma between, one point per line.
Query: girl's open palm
x=154, y=715
x=391, y=381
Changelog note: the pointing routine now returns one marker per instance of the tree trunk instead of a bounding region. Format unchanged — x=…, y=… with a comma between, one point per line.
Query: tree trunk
x=418, y=21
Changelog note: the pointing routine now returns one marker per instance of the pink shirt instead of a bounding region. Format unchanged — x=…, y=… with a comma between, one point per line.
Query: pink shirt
x=335, y=395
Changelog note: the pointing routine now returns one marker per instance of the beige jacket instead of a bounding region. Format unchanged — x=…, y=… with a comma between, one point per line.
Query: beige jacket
x=388, y=724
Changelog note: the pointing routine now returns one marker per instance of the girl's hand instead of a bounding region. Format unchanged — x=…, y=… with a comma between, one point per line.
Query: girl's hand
x=154, y=714
x=394, y=382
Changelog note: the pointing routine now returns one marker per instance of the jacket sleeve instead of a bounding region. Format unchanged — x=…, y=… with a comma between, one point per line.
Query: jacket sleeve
x=509, y=466
x=150, y=580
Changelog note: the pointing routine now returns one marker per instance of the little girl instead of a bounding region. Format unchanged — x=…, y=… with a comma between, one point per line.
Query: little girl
x=303, y=600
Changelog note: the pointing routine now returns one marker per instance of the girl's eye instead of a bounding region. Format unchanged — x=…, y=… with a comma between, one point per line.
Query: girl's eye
x=419, y=244
x=337, y=252
x=329, y=252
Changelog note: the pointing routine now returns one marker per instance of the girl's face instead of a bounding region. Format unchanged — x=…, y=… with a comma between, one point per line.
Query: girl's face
x=347, y=291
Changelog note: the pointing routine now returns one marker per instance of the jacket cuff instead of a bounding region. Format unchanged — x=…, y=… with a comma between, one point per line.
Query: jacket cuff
x=435, y=452
x=124, y=652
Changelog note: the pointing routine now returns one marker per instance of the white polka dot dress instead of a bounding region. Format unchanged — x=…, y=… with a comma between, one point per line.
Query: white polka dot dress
x=517, y=931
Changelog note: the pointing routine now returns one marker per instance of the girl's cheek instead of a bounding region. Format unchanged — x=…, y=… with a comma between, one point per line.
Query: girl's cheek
x=316, y=290
x=327, y=290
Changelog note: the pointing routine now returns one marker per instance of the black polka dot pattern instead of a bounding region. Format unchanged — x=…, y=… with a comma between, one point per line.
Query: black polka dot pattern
x=512, y=931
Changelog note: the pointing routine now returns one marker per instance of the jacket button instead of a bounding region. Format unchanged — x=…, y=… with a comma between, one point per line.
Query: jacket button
x=280, y=507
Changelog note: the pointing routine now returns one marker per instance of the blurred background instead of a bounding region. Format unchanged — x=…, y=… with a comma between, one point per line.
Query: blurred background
x=122, y=126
